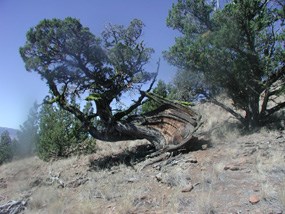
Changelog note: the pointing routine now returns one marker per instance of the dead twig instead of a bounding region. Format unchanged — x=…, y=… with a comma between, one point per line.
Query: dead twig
x=13, y=207
x=160, y=158
x=55, y=178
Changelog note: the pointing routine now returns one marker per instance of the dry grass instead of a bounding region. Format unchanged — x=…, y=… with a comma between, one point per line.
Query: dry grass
x=281, y=193
x=203, y=197
x=122, y=189
x=204, y=203
x=219, y=126
x=39, y=200
x=176, y=179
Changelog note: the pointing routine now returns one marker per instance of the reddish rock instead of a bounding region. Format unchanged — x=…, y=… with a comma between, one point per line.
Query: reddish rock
x=254, y=199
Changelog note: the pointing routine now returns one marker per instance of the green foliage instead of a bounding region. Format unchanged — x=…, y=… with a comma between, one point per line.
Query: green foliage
x=168, y=91
x=87, y=147
x=28, y=136
x=6, y=147
x=237, y=49
x=93, y=97
x=74, y=62
x=59, y=131
x=161, y=90
x=184, y=103
x=186, y=87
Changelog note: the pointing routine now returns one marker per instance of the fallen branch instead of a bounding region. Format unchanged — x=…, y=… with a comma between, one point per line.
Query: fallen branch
x=55, y=178
x=13, y=207
x=160, y=158
x=77, y=182
x=170, y=128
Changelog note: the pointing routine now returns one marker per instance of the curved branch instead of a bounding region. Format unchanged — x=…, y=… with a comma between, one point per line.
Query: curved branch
x=84, y=118
x=275, y=76
x=152, y=135
x=228, y=109
x=137, y=103
x=275, y=109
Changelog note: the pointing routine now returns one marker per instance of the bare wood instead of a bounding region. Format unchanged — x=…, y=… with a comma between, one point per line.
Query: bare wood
x=174, y=123
x=55, y=178
x=169, y=128
x=13, y=207
x=160, y=158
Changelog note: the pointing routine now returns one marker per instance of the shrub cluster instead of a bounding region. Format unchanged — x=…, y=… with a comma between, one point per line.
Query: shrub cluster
x=6, y=147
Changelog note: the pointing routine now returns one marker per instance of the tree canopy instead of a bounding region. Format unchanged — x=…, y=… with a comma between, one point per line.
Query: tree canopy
x=238, y=49
x=78, y=65
x=74, y=62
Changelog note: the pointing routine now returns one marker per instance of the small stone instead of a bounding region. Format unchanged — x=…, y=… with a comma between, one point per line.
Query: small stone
x=188, y=188
x=188, y=178
x=131, y=180
x=204, y=146
x=158, y=177
x=254, y=199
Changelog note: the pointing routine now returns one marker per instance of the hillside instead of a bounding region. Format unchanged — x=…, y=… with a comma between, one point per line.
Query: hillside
x=226, y=172
x=12, y=132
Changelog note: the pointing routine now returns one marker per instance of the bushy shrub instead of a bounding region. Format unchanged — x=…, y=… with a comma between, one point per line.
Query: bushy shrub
x=6, y=151
x=59, y=132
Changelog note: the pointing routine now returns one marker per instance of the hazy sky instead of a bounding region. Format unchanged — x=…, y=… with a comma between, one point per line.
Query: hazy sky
x=19, y=88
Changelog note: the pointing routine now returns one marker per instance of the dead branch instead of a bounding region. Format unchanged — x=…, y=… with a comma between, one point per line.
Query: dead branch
x=169, y=128
x=160, y=158
x=55, y=178
x=13, y=207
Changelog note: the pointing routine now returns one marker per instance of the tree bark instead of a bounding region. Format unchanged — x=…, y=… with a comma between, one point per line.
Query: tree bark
x=252, y=117
x=172, y=124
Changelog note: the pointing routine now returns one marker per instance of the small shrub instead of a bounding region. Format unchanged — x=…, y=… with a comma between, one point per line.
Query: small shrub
x=59, y=133
x=6, y=150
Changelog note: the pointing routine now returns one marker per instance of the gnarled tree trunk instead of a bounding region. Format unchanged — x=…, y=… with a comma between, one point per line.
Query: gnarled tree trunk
x=168, y=127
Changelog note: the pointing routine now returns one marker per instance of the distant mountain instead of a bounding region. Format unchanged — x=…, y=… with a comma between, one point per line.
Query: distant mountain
x=12, y=132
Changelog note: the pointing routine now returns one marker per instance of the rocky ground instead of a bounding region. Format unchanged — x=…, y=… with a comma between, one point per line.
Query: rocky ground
x=227, y=172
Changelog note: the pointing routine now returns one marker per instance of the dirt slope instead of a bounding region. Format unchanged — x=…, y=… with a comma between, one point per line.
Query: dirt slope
x=225, y=173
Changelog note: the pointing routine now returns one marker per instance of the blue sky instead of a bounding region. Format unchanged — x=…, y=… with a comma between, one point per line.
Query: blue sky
x=19, y=88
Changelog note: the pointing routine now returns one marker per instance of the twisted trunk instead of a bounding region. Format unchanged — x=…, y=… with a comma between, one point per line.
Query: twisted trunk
x=252, y=117
x=170, y=124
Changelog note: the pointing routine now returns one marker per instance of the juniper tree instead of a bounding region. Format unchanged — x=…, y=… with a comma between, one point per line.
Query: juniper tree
x=238, y=49
x=74, y=62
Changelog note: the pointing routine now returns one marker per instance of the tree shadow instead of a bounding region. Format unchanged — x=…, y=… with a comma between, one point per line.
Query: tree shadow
x=140, y=154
